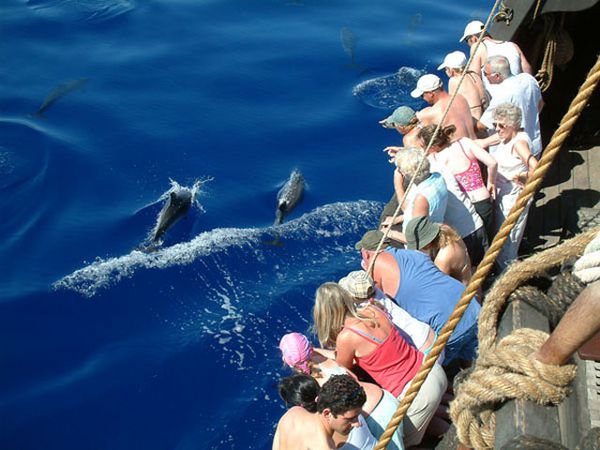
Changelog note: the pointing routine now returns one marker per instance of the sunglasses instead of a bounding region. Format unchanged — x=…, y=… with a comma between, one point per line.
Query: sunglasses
x=499, y=125
x=389, y=125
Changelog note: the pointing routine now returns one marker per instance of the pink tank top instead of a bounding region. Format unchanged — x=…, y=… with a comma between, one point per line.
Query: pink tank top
x=470, y=179
x=393, y=364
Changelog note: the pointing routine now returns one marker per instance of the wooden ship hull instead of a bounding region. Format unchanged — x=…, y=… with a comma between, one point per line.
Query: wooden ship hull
x=567, y=204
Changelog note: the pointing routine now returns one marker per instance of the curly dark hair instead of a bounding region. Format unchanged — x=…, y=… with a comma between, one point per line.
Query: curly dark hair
x=299, y=390
x=341, y=393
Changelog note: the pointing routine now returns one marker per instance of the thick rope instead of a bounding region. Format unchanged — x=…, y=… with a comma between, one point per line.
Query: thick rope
x=504, y=373
x=517, y=274
x=430, y=360
x=546, y=72
x=559, y=137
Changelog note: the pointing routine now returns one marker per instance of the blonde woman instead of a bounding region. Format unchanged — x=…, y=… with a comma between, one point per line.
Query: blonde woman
x=368, y=336
x=444, y=246
x=299, y=354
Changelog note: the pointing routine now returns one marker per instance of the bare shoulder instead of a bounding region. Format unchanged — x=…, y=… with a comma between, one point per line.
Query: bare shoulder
x=300, y=429
x=427, y=115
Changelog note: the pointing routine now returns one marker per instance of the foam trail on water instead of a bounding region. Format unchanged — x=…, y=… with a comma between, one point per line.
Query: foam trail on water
x=328, y=221
x=389, y=91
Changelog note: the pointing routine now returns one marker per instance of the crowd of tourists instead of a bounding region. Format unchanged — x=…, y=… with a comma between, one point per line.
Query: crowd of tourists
x=454, y=184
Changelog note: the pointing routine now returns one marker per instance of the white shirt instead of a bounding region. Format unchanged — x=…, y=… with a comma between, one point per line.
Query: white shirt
x=360, y=438
x=523, y=91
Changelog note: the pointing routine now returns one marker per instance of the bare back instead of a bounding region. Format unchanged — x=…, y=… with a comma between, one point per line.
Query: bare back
x=459, y=115
x=299, y=429
x=472, y=90
x=453, y=260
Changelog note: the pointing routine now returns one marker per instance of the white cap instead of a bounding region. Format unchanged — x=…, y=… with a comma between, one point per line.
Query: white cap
x=454, y=60
x=473, y=27
x=426, y=83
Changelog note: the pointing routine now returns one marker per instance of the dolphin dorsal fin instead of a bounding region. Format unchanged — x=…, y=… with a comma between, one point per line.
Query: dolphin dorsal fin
x=173, y=196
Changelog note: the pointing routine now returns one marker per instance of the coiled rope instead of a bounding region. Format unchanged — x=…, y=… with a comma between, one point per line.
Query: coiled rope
x=559, y=137
x=505, y=371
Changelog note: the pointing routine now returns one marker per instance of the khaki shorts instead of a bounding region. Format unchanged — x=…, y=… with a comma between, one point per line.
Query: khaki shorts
x=424, y=405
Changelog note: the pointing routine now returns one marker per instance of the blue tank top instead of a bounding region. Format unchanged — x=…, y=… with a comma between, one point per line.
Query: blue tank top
x=430, y=295
x=435, y=191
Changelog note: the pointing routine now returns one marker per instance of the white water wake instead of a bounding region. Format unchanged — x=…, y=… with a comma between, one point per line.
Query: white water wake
x=325, y=222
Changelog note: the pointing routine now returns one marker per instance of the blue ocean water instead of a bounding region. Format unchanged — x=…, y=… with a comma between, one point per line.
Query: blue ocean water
x=104, y=346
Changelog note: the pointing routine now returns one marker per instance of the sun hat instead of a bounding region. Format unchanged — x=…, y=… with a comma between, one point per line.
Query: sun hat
x=359, y=284
x=472, y=28
x=454, y=60
x=296, y=351
x=420, y=232
x=401, y=116
x=426, y=83
x=371, y=239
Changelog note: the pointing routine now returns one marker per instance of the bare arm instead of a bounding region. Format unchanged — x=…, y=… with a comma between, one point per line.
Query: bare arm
x=452, y=83
x=494, y=139
x=345, y=351
x=444, y=263
x=276, y=439
x=420, y=206
x=525, y=66
x=522, y=149
x=579, y=324
x=399, y=188
x=395, y=235
x=479, y=58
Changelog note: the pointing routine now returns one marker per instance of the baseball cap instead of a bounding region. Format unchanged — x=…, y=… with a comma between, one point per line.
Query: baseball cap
x=426, y=83
x=401, y=116
x=473, y=27
x=454, y=60
x=359, y=284
x=296, y=351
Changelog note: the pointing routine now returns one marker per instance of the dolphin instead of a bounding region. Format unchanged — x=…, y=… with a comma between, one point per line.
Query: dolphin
x=289, y=196
x=349, y=40
x=176, y=206
x=58, y=92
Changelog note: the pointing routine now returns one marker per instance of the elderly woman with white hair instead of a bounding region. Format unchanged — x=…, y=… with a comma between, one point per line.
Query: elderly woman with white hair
x=427, y=197
x=515, y=165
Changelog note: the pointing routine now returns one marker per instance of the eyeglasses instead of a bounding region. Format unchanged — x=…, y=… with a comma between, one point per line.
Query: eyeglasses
x=499, y=125
x=388, y=125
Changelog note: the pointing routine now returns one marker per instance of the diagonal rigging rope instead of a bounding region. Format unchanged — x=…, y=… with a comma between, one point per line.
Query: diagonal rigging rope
x=558, y=138
x=435, y=133
x=433, y=355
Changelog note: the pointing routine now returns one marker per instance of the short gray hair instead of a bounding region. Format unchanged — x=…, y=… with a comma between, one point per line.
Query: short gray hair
x=407, y=161
x=499, y=64
x=508, y=112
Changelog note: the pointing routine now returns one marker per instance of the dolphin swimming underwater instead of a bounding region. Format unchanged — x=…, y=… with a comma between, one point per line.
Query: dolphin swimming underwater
x=289, y=196
x=58, y=92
